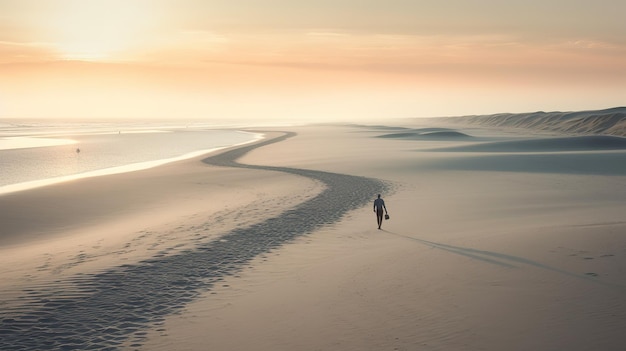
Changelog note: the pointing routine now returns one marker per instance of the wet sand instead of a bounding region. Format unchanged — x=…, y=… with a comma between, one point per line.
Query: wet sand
x=275, y=246
x=130, y=297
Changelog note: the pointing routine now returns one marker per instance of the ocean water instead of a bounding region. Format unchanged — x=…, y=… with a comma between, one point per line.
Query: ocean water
x=34, y=155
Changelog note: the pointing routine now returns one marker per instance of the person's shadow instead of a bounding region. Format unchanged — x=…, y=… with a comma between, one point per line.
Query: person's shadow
x=504, y=260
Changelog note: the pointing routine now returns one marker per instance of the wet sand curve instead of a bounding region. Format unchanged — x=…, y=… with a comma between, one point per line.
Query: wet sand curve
x=114, y=308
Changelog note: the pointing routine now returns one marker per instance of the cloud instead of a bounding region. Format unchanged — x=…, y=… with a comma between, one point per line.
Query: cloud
x=12, y=52
x=586, y=44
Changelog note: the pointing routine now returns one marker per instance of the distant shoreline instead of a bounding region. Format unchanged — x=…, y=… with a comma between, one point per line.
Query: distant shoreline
x=108, y=169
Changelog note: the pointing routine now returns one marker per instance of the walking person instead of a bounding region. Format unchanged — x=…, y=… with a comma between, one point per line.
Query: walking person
x=379, y=206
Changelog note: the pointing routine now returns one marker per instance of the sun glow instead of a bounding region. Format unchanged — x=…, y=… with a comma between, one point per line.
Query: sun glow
x=95, y=30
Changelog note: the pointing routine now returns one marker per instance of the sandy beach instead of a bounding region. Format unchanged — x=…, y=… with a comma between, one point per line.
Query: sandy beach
x=498, y=240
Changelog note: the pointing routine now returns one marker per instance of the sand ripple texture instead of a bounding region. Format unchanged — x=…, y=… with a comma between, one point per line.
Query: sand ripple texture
x=113, y=309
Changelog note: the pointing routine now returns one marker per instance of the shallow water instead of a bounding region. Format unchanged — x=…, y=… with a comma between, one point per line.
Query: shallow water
x=40, y=155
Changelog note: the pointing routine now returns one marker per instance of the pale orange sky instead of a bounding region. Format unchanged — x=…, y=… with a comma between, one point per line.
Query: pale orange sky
x=308, y=60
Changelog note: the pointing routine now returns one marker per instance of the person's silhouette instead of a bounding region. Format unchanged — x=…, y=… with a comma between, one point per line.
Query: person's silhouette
x=379, y=206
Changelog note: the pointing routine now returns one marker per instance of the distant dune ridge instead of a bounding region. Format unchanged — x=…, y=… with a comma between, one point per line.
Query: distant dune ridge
x=426, y=133
x=609, y=121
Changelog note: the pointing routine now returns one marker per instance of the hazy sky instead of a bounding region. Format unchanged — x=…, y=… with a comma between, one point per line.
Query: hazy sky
x=315, y=60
